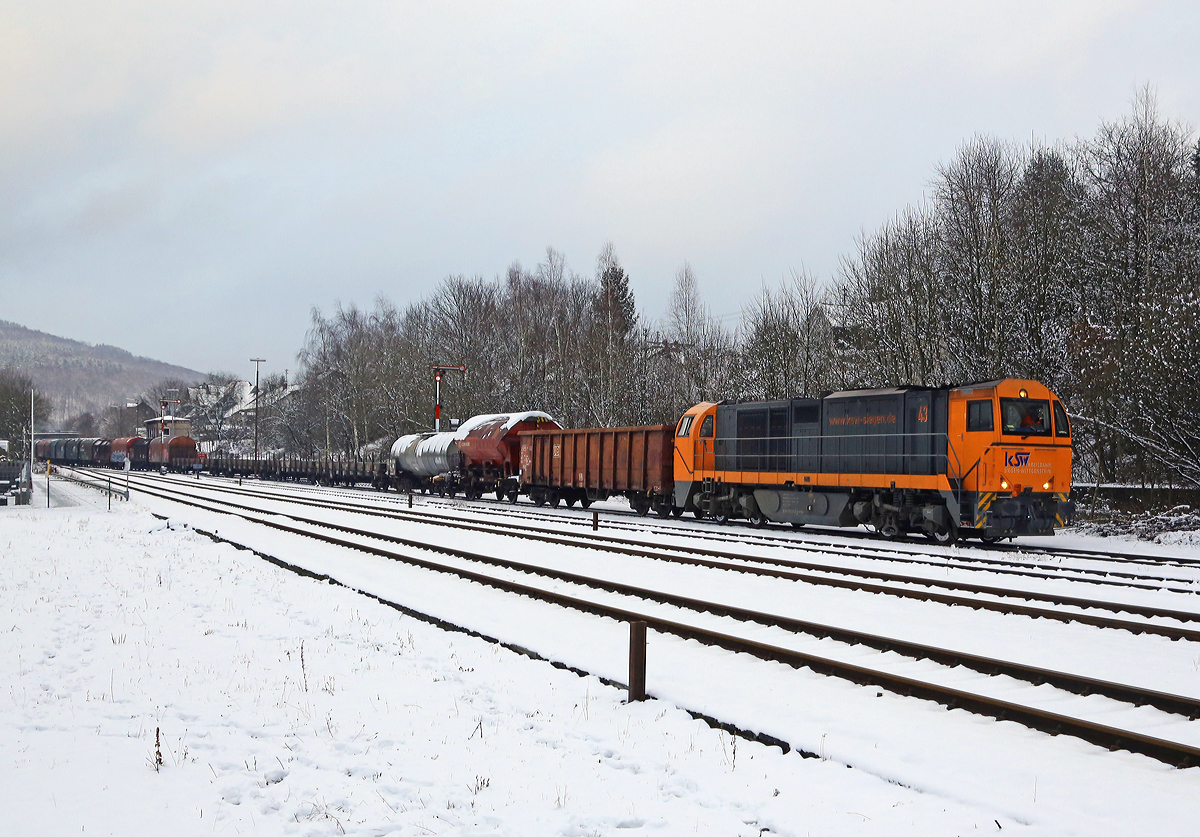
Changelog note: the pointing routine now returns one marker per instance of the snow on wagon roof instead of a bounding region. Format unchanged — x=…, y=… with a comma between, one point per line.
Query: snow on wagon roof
x=511, y=420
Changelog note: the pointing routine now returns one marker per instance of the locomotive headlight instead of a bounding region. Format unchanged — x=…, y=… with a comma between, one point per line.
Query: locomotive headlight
x=1004, y=484
x=1024, y=393
x=1046, y=485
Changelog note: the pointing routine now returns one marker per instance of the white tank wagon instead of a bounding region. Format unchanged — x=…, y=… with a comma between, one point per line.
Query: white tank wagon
x=426, y=454
x=482, y=455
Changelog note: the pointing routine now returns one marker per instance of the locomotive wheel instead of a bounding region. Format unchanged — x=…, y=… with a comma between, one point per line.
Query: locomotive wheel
x=989, y=540
x=698, y=513
x=721, y=517
x=758, y=520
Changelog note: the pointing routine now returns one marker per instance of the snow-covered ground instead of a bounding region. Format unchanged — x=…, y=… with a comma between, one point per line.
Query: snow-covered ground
x=285, y=705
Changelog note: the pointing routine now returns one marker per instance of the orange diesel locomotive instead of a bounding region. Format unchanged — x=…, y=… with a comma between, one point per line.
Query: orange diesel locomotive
x=989, y=460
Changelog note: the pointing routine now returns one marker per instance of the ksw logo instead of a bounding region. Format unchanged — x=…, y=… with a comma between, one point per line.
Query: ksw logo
x=1016, y=460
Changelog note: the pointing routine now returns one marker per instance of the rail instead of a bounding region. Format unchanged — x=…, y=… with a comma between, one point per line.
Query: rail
x=478, y=571
x=107, y=488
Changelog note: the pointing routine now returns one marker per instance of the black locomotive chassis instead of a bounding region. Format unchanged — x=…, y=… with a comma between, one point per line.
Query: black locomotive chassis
x=892, y=511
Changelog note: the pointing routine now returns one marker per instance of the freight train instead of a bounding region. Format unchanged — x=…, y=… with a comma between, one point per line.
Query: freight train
x=175, y=454
x=989, y=460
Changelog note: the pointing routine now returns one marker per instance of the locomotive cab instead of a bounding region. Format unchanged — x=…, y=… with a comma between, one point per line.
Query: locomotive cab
x=1011, y=455
x=695, y=440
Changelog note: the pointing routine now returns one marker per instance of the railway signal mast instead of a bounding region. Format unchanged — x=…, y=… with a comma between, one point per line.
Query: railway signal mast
x=256, y=361
x=437, y=381
x=162, y=421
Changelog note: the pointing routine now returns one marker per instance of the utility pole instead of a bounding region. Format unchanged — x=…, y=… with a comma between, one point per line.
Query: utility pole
x=31, y=446
x=256, y=361
x=437, y=382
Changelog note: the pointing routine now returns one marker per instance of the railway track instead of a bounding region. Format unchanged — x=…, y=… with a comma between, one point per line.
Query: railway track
x=971, y=563
x=742, y=530
x=368, y=541
x=971, y=557
x=849, y=578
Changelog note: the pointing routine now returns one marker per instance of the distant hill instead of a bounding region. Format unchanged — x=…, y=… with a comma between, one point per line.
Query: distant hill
x=79, y=377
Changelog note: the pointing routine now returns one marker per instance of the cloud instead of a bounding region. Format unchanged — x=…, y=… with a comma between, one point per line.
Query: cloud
x=244, y=161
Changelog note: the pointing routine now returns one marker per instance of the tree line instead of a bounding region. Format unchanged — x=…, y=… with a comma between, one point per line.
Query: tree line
x=1075, y=263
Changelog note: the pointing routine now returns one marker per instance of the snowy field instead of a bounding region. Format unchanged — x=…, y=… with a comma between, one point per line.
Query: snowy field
x=156, y=680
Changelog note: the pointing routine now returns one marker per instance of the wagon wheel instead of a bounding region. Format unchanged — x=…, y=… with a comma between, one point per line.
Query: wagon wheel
x=676, y=511
x=585, y=501
x=552, y=498
x=640, y=505
x=499, y=493
x=662, y=510
x=512, y=494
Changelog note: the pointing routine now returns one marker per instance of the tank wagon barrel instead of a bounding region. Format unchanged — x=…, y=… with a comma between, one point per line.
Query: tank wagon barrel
x=482, y=455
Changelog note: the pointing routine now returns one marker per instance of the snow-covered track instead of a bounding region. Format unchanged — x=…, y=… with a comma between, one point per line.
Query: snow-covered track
x=970, y=555
x=1172, y=752
x=1064, y=608
x=829, y=537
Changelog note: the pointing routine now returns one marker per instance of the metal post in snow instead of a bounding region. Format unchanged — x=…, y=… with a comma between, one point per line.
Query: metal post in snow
x=595, y=521
x=637, y=661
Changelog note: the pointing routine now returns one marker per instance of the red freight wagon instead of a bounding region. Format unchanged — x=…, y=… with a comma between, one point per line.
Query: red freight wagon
x=180, y=455
x=597, y=463
x=134, y=448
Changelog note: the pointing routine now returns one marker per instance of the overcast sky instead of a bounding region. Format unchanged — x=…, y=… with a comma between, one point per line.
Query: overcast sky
x=187, y=180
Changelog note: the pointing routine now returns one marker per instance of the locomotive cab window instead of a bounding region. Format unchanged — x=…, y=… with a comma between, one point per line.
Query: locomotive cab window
x=1062, y=427
x=1025, y=417
x=979, y=415
x=706, y=429
x=685, y=425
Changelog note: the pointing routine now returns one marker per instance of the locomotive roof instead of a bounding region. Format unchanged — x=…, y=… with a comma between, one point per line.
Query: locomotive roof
x=862, y=393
